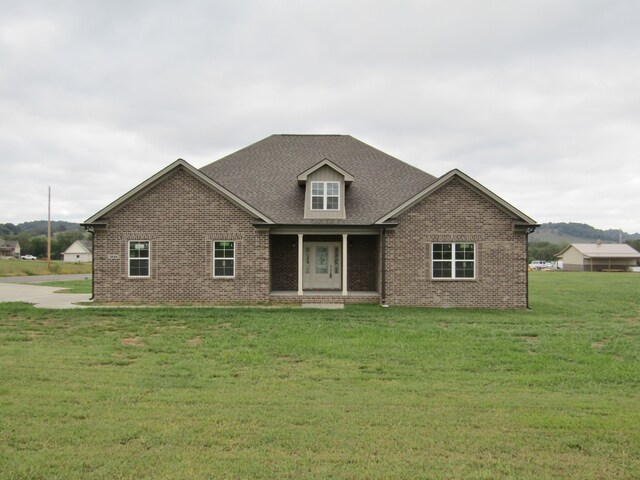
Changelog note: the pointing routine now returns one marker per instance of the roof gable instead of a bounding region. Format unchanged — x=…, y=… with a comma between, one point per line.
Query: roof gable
x=302, y=178
x=158, y=177
x=79, y=246
x=445, y=179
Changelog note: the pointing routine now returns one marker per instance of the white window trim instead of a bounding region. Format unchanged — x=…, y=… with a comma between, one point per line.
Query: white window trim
x=453, y=261
x=324, y=196
x=213, y=255
x=138, y=258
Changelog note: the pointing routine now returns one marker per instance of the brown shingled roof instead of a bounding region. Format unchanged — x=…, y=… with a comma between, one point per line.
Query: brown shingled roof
x=265, y=176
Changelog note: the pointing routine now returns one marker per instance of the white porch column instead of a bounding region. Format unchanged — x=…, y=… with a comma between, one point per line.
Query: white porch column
x=300, y=268
x=344, y=264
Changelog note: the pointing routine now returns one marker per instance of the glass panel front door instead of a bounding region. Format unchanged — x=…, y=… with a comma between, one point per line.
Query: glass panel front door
x=322, y=260
x=322, y=266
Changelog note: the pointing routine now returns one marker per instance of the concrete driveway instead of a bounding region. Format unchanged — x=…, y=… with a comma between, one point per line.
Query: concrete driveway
x=39, y=296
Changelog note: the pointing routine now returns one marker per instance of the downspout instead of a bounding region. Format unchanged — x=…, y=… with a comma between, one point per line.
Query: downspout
x=526, y=263
x=383, y=270
x=92, y=231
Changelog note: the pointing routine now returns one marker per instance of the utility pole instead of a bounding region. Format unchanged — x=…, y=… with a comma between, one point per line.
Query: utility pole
x=49, y=231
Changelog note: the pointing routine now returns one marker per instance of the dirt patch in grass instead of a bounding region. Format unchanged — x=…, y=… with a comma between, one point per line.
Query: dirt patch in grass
x=132, y=342
x=599, y=344
x=194, y=342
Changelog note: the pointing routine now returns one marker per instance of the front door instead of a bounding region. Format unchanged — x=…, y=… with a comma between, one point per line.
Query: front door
x=322, y=265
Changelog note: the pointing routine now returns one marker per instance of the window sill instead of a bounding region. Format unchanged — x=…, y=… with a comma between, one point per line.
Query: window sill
x=454, y=279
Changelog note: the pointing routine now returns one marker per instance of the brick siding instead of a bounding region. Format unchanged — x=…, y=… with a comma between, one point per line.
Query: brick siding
x=456, y=213
x=284, y=262
x=362, y=263
x=181, y=217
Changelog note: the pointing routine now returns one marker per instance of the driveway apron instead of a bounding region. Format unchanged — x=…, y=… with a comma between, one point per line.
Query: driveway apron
x=41, y=297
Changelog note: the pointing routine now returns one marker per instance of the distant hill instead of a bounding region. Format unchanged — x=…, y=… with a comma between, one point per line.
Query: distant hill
x=578, y=233
x=38, y=227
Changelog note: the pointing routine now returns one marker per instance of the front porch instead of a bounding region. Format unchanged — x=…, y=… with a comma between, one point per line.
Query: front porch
x=324, y=268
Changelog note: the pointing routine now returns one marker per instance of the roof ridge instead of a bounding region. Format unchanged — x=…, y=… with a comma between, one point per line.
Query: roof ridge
x=310, y=135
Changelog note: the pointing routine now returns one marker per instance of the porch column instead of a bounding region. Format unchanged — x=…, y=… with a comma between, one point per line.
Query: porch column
x=344, y=264
x=300, y=270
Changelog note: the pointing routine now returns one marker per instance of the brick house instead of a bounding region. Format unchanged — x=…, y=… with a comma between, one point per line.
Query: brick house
x=308, y=219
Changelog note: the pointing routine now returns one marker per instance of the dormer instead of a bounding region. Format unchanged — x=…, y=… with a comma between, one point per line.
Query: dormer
x=325, y=187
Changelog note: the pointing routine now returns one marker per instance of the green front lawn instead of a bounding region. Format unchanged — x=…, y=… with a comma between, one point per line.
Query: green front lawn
x=367, y=392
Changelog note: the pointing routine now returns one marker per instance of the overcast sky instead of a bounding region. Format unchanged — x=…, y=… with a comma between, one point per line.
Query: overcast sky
x=537, y=100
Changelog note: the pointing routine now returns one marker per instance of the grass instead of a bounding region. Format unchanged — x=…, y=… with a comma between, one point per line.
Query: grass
x=367, y=392
x=20, y=268
x=71, y=286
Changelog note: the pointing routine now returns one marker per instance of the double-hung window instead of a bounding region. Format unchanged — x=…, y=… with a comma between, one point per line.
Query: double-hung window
x=139, y=258
x=453, y=260
x=325, y=195
x=224, y=258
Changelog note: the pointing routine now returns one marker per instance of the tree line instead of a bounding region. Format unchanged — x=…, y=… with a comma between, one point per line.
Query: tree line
x=32, y=237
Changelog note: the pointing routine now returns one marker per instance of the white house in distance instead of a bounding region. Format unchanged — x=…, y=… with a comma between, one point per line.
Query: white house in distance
x=598, y=257
x=79, y=252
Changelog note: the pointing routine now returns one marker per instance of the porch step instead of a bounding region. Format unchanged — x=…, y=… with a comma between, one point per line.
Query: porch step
x=324, y=306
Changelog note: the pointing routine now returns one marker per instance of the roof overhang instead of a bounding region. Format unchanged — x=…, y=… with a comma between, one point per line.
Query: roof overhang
x=590, y=254
x=155, y=179
x=348, y=178
x=521, y=220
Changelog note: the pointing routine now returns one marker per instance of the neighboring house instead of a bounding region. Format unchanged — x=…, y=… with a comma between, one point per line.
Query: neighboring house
x=9, y=248
x=307, y=219
x=79, y=251
x=597, y=257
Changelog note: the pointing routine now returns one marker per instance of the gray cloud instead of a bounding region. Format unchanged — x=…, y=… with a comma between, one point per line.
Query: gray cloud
x=536, y=100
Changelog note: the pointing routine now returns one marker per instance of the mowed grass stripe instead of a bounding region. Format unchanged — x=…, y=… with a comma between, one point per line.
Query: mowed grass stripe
x=361, y=393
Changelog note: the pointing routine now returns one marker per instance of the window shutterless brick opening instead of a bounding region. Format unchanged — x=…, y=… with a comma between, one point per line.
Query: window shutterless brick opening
x=453, y=261
x=224, y=259
x=139, y=258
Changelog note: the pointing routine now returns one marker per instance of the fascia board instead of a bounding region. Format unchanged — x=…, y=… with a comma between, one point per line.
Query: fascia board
x=165, y=171
x=326, y=162
x=471, y=182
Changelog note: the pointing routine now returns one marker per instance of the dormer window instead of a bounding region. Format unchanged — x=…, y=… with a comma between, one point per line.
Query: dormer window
x=325, y=187
x=325, y=195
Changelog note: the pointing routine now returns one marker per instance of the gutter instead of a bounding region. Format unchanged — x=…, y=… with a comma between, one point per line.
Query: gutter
x=92, y=231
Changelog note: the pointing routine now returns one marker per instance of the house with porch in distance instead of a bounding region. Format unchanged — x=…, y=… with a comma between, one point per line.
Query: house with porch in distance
x=9, y=248
x=308, y=219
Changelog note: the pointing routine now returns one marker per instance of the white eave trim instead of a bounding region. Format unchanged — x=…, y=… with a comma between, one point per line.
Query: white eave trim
x=348, y=178
x=193, y=171
x=443, y=180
